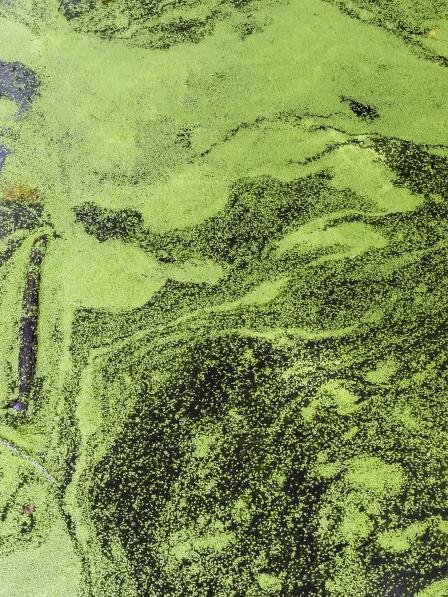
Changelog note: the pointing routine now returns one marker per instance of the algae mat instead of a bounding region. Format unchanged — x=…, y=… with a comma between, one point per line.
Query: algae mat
x=223, y=298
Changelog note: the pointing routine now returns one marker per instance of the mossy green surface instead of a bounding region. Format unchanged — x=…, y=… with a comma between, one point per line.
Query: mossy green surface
x=242, y=314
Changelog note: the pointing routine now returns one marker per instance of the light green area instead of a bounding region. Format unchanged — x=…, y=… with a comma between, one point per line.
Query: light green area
x=348, y=581
x=188, y=543
x=204, y=271
x=383, y=371
x=49, y=570
x=377, y=186
x=263, y=293
x=8, y=109
x=359, y=500
x=374, y=475
x=406, y=417
x=439, y=588
x=328, y=470
x=332, y=393
x=269, y=583
x=355, y=236
x=203, y=444
x=400, y=540
x=106, y=275
x=436, y=38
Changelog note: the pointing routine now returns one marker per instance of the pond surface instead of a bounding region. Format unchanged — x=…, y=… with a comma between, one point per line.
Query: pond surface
x=223, y=248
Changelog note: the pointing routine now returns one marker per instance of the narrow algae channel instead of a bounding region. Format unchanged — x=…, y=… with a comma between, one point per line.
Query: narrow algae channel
x=223, y=312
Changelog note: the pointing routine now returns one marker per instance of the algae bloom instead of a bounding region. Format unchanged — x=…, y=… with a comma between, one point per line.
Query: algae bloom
x=223, y=312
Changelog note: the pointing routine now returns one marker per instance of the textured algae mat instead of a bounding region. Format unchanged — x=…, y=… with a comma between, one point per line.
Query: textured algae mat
x=223, y=298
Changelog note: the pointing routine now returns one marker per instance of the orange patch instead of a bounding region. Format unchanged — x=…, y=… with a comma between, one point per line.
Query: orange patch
x=21, y=193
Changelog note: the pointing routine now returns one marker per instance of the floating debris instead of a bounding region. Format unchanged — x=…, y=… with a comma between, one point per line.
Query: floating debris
x=28, y=509
x=28, y=333
x=19, y=406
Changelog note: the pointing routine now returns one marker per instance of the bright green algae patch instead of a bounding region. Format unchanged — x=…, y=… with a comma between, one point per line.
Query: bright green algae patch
x=242, y=320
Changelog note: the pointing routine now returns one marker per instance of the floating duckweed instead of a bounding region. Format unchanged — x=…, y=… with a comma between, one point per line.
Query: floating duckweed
x=241, y=322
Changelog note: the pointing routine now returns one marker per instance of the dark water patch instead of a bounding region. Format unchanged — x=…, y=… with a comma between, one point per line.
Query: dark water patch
x=11, y=247
x=124, y=224
x=363, y=111
x=14, y=215
x=258, y=212
x=18, y=83
x=408, y=582
x=152, y=462
x=73, y=9
x=155, y=24
x=417, y=166
x=4, y=153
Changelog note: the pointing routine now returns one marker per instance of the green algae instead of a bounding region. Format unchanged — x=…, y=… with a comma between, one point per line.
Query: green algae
x=259, y=412
x=398, y=541
x=7, y=111
x=269, y=583
x=47, y=570
x=357, y=236
x=132, y=274
x=436, y=589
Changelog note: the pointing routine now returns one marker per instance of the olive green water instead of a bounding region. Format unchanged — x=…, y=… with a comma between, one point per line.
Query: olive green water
x=242, y=323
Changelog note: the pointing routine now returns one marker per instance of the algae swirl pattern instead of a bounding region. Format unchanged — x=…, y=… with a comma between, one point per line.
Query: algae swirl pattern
x=223, y=312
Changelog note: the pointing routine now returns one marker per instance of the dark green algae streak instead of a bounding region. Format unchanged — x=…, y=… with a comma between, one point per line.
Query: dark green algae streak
x=238, y=391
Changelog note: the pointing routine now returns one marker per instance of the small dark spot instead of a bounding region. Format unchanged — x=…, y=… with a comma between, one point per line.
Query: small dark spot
x=19, y=405
x=166, y=259
x=183, y=138
x=28, y=509
x=246, y=29
x=364, y=111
